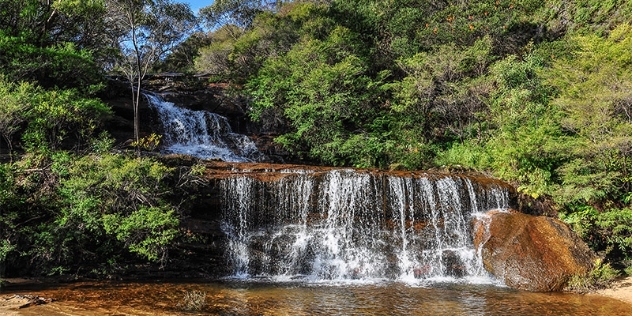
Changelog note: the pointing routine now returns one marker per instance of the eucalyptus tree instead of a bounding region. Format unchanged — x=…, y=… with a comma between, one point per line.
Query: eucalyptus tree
x=182, y=57
x=52, y=42
x=149, y=30
x=237, y=12
x=54, y=21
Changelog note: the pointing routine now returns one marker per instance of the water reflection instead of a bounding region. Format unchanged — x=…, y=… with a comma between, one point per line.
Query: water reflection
x=260, y=298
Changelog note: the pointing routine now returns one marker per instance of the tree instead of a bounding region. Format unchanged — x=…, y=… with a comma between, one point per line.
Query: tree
x=182, y=57
x=596, y=98
x=13, y=105
x=51, y=22
x=238, y=12
x=52, y=42
x=215, y=58
x=150, y=29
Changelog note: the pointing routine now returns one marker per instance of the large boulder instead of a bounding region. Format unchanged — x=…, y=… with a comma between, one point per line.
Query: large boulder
x=533, y=253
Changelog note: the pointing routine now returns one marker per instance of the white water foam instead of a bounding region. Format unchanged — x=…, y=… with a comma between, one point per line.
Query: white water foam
x=201, y=134
x=354, y=227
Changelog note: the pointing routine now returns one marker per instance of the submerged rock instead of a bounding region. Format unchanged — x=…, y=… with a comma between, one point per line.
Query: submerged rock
x=533, y=253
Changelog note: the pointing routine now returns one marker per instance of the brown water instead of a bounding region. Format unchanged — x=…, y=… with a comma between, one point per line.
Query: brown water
x=260, y=298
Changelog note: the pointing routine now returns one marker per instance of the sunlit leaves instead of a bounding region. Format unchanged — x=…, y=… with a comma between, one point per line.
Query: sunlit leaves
x=239, y=12
x=14, y=102
x=147, y=231
x=321, y=89
x=58, y=65
x=595, y=96
x=58, y=114
x=111, y=194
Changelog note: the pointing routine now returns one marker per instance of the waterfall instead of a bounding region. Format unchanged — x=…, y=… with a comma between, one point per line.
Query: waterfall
x=201, y=134
x=352, y=224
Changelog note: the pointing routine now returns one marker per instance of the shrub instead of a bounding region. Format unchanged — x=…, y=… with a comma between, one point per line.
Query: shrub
x=193, y=301
x=598, y=278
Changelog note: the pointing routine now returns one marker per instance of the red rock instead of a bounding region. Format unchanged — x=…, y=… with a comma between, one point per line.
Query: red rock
x=533, y=253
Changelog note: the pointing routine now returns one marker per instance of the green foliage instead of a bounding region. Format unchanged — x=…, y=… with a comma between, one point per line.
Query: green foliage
x=439, y=97
x=608, y=231
x=595, y=98
x=8, y=200
x=216, y=58
x=184, y=54
x=102, y=144
x=59, y=65
x=585, y=16
x=524, y=142
x=149, y=231
x=14, y=102
x=56, y=115
x=236, y=54
x=64, y=212
x=102, y=202
x=618, y=227
x=239, y=12
x=598, y=278
x=37, y=28
x=45, y=119
x=325, y=101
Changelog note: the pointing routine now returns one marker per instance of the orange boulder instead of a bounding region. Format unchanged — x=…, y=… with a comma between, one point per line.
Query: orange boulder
x=533, y=253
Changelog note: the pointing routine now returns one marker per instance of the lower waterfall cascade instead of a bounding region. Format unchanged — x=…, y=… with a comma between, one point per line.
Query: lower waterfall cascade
x=201, y=134
x=344, y=225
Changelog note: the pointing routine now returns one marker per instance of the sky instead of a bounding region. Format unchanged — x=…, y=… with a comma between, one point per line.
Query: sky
x=197, y=4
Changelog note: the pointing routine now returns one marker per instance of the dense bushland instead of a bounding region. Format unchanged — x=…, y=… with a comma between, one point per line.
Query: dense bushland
x=68, y=202
x=534, y=92
x=538, y=93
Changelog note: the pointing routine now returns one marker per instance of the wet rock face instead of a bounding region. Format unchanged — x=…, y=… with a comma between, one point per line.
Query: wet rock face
x=272, y=220
x=533, y=253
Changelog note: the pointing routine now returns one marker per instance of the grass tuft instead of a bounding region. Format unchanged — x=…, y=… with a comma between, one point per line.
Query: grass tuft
x=599, y=278
x=193, y=301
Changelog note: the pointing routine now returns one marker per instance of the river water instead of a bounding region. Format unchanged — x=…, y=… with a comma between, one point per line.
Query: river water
x=231, y=297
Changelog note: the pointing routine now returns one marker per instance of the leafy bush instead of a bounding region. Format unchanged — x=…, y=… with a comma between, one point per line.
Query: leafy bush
x=57, y=115
x=8, y=200
x=598, y=278
x=112, y=194
x=62, y=65
x=148, y=231
x=83, y=210
x=15, y=101
x=46, y=119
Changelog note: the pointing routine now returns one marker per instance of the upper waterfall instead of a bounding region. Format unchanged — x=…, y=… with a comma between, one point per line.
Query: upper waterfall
x=355, y=224
x=201, y=134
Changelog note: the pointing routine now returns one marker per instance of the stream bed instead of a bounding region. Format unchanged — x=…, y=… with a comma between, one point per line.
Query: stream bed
x=233, y=297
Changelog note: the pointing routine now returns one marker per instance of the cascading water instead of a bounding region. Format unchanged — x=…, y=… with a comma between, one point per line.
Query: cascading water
x=201, y=134
x=341, y=225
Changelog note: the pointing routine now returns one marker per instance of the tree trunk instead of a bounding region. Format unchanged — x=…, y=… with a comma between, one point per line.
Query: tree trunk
x=2, y=270
x=136, y=112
